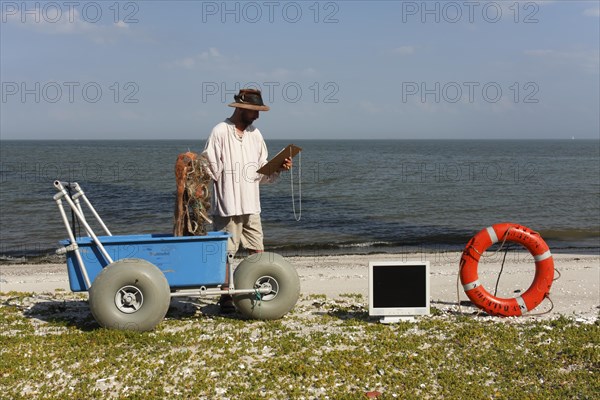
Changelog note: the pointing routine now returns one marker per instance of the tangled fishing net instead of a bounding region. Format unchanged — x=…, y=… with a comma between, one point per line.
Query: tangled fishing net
x=193, y=195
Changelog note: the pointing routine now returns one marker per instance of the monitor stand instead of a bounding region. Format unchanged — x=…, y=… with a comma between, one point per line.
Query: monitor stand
x=396, y=319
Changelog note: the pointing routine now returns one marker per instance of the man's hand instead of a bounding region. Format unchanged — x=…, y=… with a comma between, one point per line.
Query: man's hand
x=287, y=165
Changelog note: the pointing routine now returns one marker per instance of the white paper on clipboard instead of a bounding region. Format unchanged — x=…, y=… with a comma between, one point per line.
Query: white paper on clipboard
x=275, y=163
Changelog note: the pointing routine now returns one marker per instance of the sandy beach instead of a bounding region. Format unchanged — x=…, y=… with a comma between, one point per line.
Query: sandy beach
x=576, y=292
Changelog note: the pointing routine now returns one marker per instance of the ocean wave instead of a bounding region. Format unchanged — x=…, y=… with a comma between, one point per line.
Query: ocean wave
x=365, y=244
x=332, y=249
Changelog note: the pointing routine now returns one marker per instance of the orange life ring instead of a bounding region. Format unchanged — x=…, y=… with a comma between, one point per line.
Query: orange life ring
x=544, y=270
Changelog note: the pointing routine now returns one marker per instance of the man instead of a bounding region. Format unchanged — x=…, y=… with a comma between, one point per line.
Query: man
x=236, y=150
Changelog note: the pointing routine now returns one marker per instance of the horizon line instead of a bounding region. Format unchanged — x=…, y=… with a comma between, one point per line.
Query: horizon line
x=298, y=139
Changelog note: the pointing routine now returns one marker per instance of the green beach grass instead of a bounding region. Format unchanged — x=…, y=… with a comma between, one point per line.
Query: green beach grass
x=51, y=348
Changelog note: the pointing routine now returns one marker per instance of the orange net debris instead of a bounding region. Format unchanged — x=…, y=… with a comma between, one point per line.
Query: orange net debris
x=192, y=203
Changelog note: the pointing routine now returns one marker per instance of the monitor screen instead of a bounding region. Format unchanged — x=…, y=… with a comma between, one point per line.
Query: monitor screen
x=398, y=288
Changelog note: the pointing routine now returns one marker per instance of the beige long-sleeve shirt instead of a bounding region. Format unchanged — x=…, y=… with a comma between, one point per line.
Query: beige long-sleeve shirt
x=233, y=165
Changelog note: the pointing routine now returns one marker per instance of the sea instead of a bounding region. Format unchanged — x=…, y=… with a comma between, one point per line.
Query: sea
x=342, y=196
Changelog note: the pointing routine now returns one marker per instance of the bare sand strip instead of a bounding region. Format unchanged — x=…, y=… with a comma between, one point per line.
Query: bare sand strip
x=575, y=294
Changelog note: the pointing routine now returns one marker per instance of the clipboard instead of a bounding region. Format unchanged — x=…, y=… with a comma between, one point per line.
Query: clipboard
x=275, y=163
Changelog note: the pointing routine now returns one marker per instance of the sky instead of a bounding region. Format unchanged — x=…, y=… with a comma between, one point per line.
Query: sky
x=328, y=69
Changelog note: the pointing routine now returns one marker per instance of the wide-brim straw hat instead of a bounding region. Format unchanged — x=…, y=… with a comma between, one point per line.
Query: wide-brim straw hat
x=249, y=99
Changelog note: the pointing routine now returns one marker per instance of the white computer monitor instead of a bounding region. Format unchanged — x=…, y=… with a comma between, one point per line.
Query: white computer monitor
x=398, y=290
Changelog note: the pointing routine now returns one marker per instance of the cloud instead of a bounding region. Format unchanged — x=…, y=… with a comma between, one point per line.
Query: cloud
x=212, y=58
x=129, y=115
x=592, y=12
x=280, y=73
x=404, y=50
x=285, y=74
x=56, y=21
x=208, y=58
x=309, y=72
x=540, y=52
x=587, y=60
x=369, y=107
x=121, y=24
x=69, y=114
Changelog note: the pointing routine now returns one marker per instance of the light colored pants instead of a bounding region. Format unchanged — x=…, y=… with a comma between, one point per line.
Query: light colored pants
x=244, y=229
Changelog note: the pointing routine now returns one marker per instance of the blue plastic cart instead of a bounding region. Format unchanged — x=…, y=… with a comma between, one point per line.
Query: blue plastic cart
x=131, y=278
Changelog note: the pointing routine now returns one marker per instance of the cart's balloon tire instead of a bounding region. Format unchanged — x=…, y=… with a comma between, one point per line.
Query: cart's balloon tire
x=130, y=294
x=266, y=269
